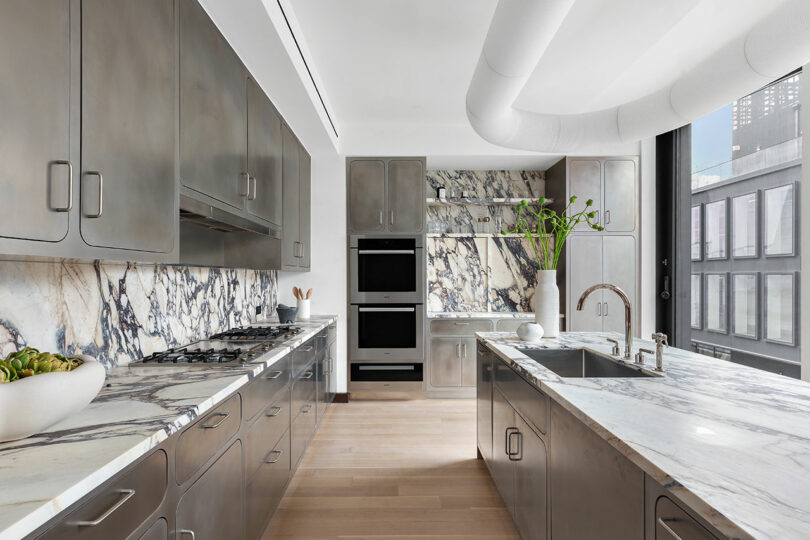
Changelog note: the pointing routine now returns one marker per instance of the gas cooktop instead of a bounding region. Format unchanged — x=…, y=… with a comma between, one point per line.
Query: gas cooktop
x=232, y=347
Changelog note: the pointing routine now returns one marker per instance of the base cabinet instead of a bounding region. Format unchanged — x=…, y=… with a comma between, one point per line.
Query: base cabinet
x=483, y=401
x=266, y=488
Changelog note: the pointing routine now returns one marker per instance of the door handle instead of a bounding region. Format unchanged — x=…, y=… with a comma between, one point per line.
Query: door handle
x=275, y=413
x=607, y=217
x=597, y=217
x=458, y=350
x=665, y=294
x=69, y=206
x=274, y=375
x=465, y=350
x=392, y=217
x=508, y=441
x=306, y=408
x=100, y=194
x=599, y=309
x=605, y=311
x=271, y=461
x=251, y=188
x=222, y=418
x=381, y=217
x=516, y=456
x=246, y=191
x=306, y=376
x=188, y=532
x=127, y=494
x=668, y=529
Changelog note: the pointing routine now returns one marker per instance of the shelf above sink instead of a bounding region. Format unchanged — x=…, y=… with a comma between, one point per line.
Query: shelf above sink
x=486, y=201
x=583, y=364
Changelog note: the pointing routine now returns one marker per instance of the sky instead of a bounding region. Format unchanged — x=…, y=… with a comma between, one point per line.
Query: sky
x=711, y=139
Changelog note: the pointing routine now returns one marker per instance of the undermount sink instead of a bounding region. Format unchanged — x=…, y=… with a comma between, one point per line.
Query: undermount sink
x=582, y=363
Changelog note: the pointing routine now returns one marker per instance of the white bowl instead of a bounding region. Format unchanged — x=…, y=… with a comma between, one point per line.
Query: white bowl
x=33, y=404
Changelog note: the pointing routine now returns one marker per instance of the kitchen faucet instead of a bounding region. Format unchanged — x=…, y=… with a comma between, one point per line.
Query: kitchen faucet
x=628, y=313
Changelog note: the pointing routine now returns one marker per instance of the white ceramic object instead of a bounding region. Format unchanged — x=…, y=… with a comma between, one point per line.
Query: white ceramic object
x=530, y=332
x=547, y=303
x=303, y=309
x=33, y=404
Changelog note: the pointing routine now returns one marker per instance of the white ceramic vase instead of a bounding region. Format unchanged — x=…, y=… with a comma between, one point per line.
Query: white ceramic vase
x=547, y=303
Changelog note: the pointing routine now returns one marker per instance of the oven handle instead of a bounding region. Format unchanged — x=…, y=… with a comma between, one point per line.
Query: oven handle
x=386, y=252
x=375, y=367
x=386, y=309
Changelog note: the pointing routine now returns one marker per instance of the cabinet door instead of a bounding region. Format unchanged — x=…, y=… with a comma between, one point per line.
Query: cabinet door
x=619, y=268
x=213, y=507
x=468, y=367
x=585, y=182
x=305, y=208
x=445, y=361
x=158, y=531
x=128, y=125
x=503, y=437
x=672, y=522
x=35, y=119
x=406, y=196
x=264, y=156
x=367, y=196
x=484, y=401
x=584, y=267
x=531, y=485
x=291, y=196
x=213, y=110
x=595, y=491
x=620, y=195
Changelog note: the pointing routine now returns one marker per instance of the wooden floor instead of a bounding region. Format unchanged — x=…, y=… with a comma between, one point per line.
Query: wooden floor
x=393, y=470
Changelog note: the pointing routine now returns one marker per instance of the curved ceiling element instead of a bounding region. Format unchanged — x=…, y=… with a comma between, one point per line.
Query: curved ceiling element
x=521, y=30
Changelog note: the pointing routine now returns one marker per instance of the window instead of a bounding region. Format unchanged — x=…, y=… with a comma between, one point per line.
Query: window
x=697, y=303
x=779, y=306
x=716, y=230
x=744, y=312
x=744, y=226
x=779, y=221
x=717, y=303
x=697, y=230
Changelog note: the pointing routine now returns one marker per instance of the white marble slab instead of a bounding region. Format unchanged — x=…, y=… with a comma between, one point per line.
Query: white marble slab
x=729, y=441
x=479, y=315
x=137, y=409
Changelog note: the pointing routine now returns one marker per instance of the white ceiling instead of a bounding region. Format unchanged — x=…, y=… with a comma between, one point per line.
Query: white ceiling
x=396, y=72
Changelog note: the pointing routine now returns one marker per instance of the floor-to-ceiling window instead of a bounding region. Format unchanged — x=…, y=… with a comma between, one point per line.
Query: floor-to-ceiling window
x=744, y=224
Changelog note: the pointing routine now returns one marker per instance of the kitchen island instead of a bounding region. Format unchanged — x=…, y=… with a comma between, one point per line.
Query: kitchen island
x=138, y=409
x=729, y=443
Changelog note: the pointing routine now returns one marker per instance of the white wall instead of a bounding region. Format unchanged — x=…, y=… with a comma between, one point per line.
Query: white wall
x=648, y=239
x=327, y=277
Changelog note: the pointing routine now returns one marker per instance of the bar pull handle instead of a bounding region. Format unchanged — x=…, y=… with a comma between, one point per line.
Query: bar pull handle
x=663, y=523
x=222, y=417
x=381, y=217
x=127, y=494
x=392, y=217
x=273, y=375
x=188, y=532
x=516, y=455
x=69, y=206
x=271, y=452
x=100, y=194
x=465, y=350
x=599, y=309
x=251, y=188
x=306, y=408
x=607, y=217
x=605, y=311
x=458, y=350
x=276, y=411
x=244, y=190
x=306, y=376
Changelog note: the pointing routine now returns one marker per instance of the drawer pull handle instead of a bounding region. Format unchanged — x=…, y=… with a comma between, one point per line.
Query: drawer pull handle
x=276, y=411
x=306, y=349
x=274, y=375
x=663, y=523
x=307, y=375
x=127, y=494
x=461, y=323
x=306, y=408
x=188, y=532
x=222, y=418
x=278, y=456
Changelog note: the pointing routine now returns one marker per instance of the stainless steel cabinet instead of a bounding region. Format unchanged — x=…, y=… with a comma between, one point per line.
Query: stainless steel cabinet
x=406, y=196
x=266, y=488
x=452, y=362
x=158, y=531
x=128, y=189
x=213, y=110
x=366, y=196
x=296, y=194
x=531, y=483
x=386, y=195
x=619, y=268
x=585, y=182
x=213, y=507
x=263, y=156
x=483, y=401
x=620, y=190
x=595, y=491
x=667, y=519
x=504, y=438
x=35, y=109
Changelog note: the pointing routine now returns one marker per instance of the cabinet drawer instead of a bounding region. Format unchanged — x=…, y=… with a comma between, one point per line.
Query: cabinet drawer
x=265, y=387
x=459, y=327
x=301, y=431
x=673, y=523
x=526, y=399
x=266, y=488
x=200, y=442
x=121, y=507
x=303, y=391
x=510, y=325
x=302, y=356
x=265, y=433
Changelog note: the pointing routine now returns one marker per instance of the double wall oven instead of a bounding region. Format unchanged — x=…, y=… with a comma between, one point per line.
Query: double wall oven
x=386, y=316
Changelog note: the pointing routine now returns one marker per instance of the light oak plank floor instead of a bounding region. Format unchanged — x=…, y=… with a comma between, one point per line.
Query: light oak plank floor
x=393, y=470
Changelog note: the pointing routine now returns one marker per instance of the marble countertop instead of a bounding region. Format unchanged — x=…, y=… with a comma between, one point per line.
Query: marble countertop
x=479, y=315
x=138, y=408
x=729, y=441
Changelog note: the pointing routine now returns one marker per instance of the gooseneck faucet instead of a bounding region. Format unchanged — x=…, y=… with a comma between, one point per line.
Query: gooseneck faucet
x=628, y=313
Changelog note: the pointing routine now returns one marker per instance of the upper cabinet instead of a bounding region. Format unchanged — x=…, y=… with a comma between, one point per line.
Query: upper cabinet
x=612, y=184
x=213, y=110
x=386, y=195
x=128, y=187
x=263, y=156
x=295, y=241
x=36, y=165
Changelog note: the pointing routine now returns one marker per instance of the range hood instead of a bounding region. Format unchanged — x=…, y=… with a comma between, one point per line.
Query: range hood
x=205, y=215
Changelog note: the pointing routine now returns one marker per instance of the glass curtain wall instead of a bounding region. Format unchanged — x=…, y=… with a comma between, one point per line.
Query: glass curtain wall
x=745, y=176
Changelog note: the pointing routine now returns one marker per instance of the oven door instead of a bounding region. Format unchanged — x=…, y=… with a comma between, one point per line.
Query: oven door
x=386, y=332
x=387, y=270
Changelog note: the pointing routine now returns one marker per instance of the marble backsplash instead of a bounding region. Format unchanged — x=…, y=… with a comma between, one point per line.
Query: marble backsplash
x=480, y=272
x=119, y=313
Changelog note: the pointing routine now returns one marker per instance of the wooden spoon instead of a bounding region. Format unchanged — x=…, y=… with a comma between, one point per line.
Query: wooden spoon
x=309, y=294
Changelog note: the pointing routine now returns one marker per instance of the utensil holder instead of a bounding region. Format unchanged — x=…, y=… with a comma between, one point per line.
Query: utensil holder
x=303, y=309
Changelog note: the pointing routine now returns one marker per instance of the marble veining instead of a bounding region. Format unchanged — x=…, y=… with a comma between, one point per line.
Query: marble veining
x=488, y=184
x=120, y=312
x=731, y=442
x=478, y=315
x=138, y=408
